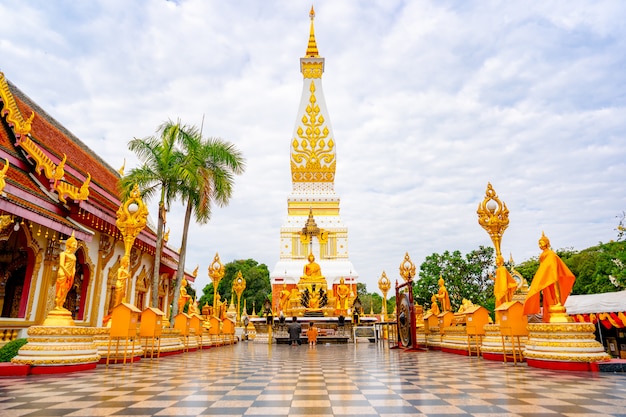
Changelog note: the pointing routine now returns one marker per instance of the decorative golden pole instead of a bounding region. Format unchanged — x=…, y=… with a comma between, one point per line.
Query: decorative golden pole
x=238, y=286
x=216, y=273
x=384, y=284
x=131, y=219
x=407, y=268
x=493, y=216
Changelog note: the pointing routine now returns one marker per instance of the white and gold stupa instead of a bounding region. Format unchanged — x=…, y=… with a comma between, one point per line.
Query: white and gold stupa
x=313, y=163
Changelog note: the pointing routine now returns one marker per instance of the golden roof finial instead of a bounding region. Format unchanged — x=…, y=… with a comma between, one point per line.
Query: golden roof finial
x=121, y=170
x=311, y=50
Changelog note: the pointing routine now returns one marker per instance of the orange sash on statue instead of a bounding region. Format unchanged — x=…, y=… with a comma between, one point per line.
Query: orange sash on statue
x=551, y=269
x=504, y=287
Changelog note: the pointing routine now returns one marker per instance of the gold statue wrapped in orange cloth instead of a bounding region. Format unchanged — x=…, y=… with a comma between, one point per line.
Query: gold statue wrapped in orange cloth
x=505, y=285
x=554, y=281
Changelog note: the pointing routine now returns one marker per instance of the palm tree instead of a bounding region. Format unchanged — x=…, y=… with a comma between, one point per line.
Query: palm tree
x=158, y=174
x=206, y=177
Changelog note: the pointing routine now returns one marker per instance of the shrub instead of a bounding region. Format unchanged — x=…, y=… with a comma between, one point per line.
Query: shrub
x=9, y=351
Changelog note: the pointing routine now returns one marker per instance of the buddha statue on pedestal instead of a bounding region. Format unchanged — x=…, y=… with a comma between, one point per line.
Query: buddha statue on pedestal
x=312, y=271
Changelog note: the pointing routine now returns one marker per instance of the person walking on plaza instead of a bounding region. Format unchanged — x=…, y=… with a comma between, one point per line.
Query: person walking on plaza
x=295, y=329
x=311, y=334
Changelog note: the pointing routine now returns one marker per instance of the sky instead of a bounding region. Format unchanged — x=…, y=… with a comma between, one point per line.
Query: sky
x=429, y=102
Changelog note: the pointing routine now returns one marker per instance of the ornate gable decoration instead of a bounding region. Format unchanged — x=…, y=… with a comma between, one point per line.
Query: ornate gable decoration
x=21, y=128
x=313, y=152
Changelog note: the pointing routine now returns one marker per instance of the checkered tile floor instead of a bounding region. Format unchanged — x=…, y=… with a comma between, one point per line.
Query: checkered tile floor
x=329, y=380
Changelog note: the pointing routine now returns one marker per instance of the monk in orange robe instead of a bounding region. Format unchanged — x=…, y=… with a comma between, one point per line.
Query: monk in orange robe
x=505, y=285
x=553, y=279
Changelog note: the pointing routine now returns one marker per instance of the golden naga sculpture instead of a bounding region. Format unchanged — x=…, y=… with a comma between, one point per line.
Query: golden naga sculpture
x=14, y=117
x=64, y=189
x=554, y=281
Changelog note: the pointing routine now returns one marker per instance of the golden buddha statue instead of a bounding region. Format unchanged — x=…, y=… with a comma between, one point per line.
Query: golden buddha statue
x=554, y=281
x=183, y=297
x=66, y=271
x=120, y=283
x=285, y=294
x=504, y=284
x=465, y=305
x=343, y=294
x=312, y=270
x=443, y=297
x=193, y=308
x=434, y=307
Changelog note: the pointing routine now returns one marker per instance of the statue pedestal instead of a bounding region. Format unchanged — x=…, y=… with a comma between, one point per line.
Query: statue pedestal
x=59, y=317
x=564, y=346
x=53, y=350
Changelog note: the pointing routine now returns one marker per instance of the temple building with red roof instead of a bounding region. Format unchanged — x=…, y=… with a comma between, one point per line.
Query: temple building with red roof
x=52, y=186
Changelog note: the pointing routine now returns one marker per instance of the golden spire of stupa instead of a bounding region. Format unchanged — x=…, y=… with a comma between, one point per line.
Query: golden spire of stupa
x=311, y=49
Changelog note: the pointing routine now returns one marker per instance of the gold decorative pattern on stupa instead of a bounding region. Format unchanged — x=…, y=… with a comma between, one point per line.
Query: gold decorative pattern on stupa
x=313, y=152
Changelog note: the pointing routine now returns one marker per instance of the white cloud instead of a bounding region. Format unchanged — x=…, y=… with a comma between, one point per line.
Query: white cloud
x=429, y=101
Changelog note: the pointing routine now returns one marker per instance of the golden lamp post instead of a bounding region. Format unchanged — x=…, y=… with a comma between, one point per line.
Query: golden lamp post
x=407, y=268
x=238, y=286
x=384, y=284
x=131, y=219
x=216, y=273
x=493, y=216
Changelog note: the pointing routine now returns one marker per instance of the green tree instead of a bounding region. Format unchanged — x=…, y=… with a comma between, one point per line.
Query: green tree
x=465, y=277
x=157, y=174
x=369, y=300
x=206, y=177
x=258, y=286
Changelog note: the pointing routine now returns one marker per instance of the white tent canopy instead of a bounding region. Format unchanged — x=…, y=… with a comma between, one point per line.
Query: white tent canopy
x=608, y=302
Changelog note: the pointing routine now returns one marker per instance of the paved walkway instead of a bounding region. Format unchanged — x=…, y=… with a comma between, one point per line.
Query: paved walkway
x=329, y=380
